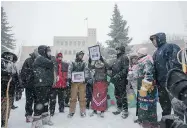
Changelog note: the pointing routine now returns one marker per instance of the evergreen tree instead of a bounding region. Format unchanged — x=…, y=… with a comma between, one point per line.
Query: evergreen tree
x=7, y=38
x=119, y=31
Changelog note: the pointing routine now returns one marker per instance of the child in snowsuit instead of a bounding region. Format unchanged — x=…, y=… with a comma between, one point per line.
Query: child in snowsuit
x=78, y=88
x=99, y=97
x=147, y=91
x=61, y=69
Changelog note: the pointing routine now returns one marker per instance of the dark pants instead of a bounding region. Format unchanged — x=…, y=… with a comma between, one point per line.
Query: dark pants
x=30, y=97
x=42, y=100
x=89, y=91
x=67, y=95
x=53, y=94
x=164, y=100
x=121, y=97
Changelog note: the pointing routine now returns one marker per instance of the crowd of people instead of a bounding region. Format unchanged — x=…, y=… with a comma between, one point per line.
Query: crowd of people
x=45, y=77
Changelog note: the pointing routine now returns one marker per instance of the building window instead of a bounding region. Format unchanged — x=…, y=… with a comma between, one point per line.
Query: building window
x=83, y=43
x=70, y=43
x=66, y=43
x=65, y=52
x=74, y=52
x=79, y=43
x=57, y=42
x=69, y=52
x=62, y=43
x=75, y=43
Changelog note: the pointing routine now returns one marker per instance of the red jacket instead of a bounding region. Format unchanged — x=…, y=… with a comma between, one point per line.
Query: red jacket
x=61, y=69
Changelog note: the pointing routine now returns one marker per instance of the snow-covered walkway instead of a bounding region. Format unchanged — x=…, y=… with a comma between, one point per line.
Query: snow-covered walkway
x=17, y=119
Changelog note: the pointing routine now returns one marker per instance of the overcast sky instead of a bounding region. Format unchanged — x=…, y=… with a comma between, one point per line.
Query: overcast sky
x=36, y=23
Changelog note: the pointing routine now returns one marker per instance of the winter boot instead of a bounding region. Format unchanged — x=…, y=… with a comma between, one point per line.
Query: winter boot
x=66, y=105
x=2, y=123
x=61, y=110
x=117, y=112
x=14, y=107
x=93, y=113
x=70, y=115
x=52, y=114
x=125, y=114
x=37, y=123
x=46, y=120
x=88, y=104
x=29, y=119
x=102, y=114
x=83, y=114
x=138, y=121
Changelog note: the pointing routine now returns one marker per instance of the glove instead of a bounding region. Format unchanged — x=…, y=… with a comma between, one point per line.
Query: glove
x=57, y=78
x=86, y=80
x=101, y=59
x=90, y=81
x=146, y=87
x=90, y=61
x=68, y=84
x=112, y=80
x=116, y=77
x=69, y=81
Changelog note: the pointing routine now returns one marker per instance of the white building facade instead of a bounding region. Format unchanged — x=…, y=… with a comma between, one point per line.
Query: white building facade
x=68, y=45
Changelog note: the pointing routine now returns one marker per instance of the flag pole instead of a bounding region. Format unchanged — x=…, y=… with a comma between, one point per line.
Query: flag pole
x=86, y=25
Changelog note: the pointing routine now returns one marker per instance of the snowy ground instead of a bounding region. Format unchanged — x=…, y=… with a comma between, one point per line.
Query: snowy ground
x=17, y=119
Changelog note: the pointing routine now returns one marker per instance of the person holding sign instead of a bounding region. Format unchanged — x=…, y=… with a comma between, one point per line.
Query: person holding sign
x=77, y=77
x=99, y=97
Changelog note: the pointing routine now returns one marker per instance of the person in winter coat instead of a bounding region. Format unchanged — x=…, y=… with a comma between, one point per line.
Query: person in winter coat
x=43, y=80
x=61, y=69
x=7, y=73
x=27, y=77
x=119, y=79
x=16, y=86
x=78, y=87
x=147, y=91
x=99, y=98
x=165, y=59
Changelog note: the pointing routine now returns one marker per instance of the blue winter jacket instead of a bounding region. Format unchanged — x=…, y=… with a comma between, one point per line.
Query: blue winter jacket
x=165, y=57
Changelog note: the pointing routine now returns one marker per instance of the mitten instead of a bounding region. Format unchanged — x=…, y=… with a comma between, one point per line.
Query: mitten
x=145, y=88
x=90, y=61
x=101, y=59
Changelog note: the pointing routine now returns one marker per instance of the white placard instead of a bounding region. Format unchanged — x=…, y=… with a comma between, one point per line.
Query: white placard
x=78, y=77
x=94, y=52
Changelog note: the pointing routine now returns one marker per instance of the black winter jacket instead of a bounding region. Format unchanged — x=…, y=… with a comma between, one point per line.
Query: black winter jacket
x=165, y=58
x=120, y=70
x=43, y=69
x=27, y=73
